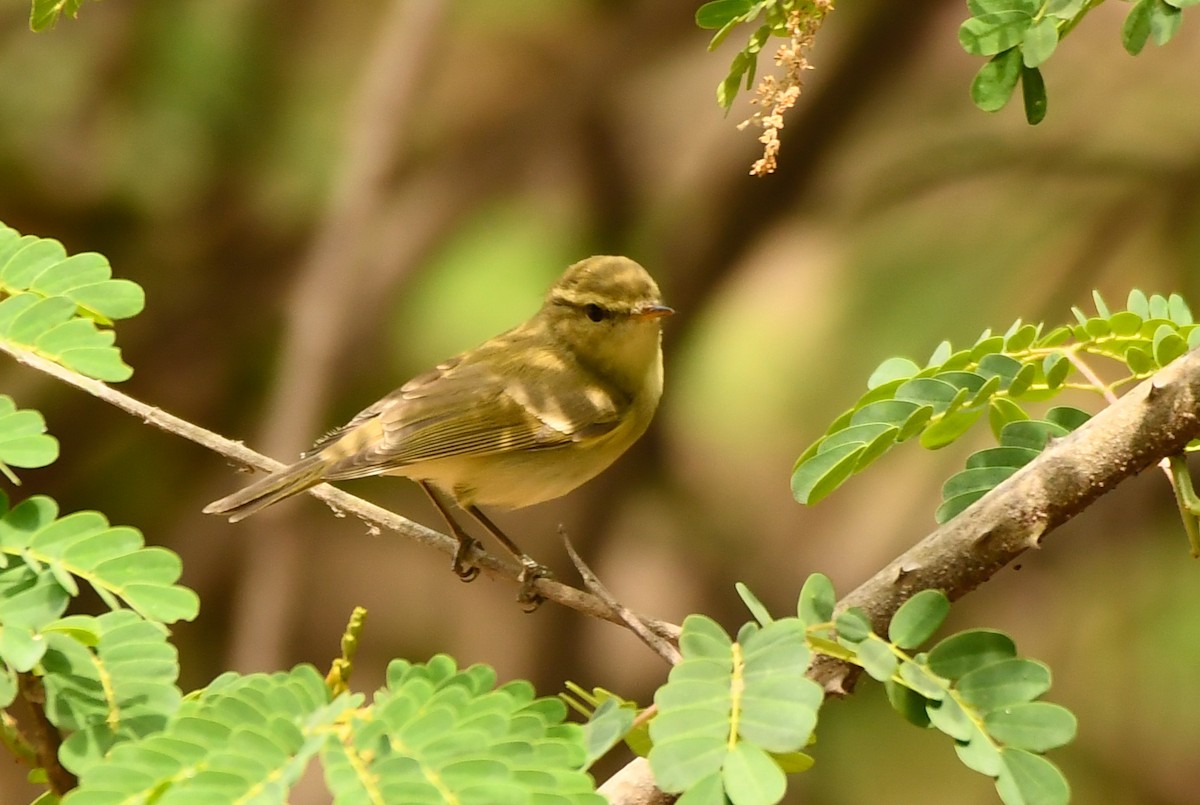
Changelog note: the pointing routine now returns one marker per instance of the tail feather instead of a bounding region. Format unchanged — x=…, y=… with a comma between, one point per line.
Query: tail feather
x=306, y=473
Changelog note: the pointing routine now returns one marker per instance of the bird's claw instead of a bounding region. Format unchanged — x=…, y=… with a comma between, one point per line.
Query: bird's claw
x=461, y=565
x=528, y=596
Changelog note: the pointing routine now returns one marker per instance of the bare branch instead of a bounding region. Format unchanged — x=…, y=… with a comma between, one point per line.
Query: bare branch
x=657, y=643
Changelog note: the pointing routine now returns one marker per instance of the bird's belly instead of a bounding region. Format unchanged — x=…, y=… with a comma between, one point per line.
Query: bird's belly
x=509, y=480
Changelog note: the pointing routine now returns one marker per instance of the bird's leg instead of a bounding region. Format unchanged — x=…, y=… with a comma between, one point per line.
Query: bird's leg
x=466, y=542
x=531, y=570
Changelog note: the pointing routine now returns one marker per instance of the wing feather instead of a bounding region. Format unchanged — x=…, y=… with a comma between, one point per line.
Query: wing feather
x=468, y=407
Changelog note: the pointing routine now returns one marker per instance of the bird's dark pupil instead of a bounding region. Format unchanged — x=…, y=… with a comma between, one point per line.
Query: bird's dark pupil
x=595, y=312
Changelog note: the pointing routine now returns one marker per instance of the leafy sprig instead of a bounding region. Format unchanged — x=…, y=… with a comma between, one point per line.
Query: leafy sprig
x=999, y=375
x=971, y=686
x=62, y=307
x=1019, y=36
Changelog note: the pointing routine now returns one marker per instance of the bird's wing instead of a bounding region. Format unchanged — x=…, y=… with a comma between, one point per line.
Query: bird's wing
x=466, y=407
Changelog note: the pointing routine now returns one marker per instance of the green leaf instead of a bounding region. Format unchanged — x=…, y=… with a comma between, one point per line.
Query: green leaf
x=1039, y=41
x=1028, y=779
x=1031, y=433
x=117, y=690
x=908, y=703
x=778, y=707
x=980, y=754
x=877, y=658
x=703, y=637
x=45, y=13
x=974, y=480
x=751, y=777
x=1164, y=22
x=1056, y=367
x=1067, y=417
x=954, y=506
x=995, y=82
x=1035, y=726
x=890, y=370
x=992, y=33
x=1138, y=303
x=1167, y=345
x=1139, y=361
x=718, y=13
x=817, y=477
x=1033, y=93
x=1004, y=683
x=816, y=600
x=1064, y=9
x=852, y=625
x=959, y=654
x=918, y=677
x=23, y=438
x=1136, y=29
x=947, y=429
x=949, y=717
x=918, y=618
x=1001, y=457
x=1177, y=308
x=937, y=394
x=46, y=326
x=606, y=728
x=756, y=607
x=112, y=560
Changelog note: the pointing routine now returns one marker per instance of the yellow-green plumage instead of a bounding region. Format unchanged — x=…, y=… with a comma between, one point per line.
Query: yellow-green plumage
x=525, y=417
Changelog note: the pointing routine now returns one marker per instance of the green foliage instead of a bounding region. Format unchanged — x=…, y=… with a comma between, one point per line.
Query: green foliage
x=725, y=15
x=1018, y=36
x=23, y=439
x=45, y=13
x=734, y=715
x=610, y=719
x=108, y=680
x=971, y=686
x=997, y=376
x=434, y=733
x=62, y=307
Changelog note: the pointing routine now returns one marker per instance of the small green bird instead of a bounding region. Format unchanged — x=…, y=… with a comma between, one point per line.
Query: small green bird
x=524, y=417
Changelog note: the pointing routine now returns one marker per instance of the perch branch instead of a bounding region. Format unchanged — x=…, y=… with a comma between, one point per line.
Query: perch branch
x=376, y=517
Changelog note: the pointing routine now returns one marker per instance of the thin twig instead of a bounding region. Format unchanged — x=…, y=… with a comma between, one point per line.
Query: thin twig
x=376, y=517
x=656, y=642
x=43, y=735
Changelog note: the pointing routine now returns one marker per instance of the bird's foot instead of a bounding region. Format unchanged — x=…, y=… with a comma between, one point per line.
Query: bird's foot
x=528, y=596
x=461, y=565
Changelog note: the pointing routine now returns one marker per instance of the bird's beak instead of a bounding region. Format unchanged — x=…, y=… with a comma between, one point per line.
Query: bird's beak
x=652, y=312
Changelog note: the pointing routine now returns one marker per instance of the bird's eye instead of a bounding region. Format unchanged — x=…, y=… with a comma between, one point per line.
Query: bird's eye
x=595, y=312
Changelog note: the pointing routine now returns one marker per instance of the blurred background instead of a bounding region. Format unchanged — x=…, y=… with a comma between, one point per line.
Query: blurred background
x=322, y=199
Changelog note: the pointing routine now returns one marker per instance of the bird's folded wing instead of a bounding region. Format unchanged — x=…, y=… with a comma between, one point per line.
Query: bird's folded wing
x=469, y=409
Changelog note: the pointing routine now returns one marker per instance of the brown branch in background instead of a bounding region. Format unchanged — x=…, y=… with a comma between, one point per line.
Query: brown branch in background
x=321, y=307
x=376, y=517
x=44, y=737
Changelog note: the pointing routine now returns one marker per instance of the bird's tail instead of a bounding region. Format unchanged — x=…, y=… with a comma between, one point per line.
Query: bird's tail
x=307, y=472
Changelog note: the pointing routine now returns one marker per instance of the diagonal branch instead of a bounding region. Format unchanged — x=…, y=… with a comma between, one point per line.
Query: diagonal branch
x=1153, y=421
x=376, y=517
